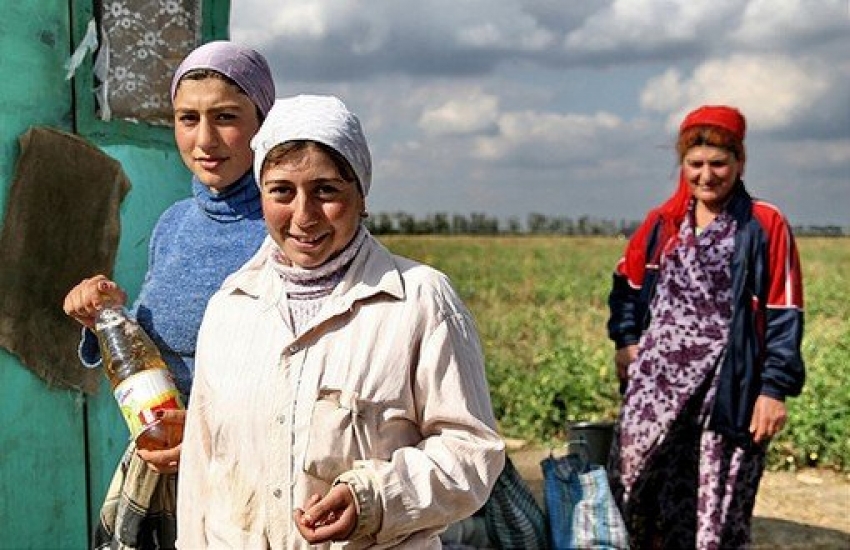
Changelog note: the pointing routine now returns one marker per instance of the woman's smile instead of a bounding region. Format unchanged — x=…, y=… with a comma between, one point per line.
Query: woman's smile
x=308, y=241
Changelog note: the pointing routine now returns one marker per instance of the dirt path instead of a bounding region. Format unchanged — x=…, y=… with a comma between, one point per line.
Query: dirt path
x=804, y=510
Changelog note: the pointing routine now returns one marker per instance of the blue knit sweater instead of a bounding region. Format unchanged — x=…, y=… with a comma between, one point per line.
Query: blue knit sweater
x=196, y=243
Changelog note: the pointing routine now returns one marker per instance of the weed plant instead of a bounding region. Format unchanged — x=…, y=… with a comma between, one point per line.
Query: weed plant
x=541, y=307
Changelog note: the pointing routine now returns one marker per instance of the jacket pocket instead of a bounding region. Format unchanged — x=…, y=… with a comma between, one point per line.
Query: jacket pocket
x=345, y=428
x=336, y=434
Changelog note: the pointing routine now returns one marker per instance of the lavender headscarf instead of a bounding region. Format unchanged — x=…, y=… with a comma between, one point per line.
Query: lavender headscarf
x=246, y=67
x=324, y=119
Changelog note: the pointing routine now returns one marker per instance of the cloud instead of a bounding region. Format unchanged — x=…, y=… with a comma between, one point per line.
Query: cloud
x=381, y=37
x=650, y=25
x=472, y=114
x=772, y=90
x=544, y=139
x=816, y=157
x=570, y=107
x=778, y=24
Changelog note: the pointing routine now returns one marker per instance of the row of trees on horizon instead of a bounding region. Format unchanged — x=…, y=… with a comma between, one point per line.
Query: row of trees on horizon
x=477, y=223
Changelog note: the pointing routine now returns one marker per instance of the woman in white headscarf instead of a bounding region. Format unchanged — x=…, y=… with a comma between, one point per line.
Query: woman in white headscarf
x=339, y=391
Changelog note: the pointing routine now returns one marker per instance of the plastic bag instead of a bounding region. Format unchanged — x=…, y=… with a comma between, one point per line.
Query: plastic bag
x=580, y=508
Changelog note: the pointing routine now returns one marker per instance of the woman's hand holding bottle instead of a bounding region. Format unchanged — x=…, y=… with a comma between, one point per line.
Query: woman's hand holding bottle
x=90, y=296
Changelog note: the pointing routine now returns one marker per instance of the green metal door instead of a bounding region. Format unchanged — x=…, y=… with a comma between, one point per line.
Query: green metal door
x=59, y=448
x=42, y=445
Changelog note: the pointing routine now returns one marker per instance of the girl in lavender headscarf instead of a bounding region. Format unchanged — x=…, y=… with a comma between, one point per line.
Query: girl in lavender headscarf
x=221, y=93
x=707, y=318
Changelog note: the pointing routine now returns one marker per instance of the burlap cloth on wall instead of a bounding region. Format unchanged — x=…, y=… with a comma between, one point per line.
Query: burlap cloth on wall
x=61, y=225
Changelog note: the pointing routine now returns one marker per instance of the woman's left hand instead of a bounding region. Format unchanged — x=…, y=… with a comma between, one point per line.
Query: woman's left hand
x=167, y=461
x=768, y=418
x=329, y=518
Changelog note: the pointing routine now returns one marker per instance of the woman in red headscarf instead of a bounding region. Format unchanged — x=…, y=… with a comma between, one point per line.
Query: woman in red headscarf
x=707, y=320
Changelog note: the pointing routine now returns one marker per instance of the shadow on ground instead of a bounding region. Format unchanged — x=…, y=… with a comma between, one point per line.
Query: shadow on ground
x=780, y=533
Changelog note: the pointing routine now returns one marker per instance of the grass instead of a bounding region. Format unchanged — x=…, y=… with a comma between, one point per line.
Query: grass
x=541, y=308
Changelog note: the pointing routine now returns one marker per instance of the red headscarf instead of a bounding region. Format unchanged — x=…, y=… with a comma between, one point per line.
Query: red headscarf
x=722, y=116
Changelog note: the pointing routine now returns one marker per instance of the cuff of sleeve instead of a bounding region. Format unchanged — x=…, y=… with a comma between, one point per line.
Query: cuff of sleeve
x=773, y=392
x=369, y=513
x=625, y=340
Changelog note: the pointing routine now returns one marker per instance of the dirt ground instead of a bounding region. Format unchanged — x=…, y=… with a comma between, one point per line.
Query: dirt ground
x=803, y=510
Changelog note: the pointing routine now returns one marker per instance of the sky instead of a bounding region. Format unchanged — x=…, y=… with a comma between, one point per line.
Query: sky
x=570, y=108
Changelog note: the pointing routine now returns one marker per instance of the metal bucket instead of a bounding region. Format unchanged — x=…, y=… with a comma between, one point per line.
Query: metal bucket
x=592, y=439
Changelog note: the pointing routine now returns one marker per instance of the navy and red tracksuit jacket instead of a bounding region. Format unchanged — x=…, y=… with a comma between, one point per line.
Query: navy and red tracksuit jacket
x=766, y=328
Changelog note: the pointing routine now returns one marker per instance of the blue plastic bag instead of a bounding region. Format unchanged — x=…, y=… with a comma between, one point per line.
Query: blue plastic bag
x=580, y=508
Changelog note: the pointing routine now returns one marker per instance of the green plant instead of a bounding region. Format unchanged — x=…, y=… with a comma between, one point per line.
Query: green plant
x=541, y=307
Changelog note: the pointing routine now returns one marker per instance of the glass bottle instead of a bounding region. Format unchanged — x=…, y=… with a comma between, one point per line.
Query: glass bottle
x=140, y=379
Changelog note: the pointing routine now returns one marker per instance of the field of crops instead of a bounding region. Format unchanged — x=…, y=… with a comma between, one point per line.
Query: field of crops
x=541, y=307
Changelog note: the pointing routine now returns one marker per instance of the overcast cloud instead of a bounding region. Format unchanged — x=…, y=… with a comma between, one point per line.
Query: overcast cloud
x=571, y=108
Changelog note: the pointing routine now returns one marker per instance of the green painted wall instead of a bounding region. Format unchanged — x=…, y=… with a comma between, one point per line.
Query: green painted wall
x=42, y=448
x=59, y=448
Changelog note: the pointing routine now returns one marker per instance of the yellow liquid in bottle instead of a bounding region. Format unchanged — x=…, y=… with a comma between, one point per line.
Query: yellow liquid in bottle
x=140, y=379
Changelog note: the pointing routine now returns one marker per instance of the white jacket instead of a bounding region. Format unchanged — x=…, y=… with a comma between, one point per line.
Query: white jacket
x=385, y=390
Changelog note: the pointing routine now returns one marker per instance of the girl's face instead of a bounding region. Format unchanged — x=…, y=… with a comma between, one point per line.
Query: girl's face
x=213, y=126
x=711, y=173
x=310, y=211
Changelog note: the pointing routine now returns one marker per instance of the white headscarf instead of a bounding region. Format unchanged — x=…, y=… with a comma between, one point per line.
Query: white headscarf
x=324, y=119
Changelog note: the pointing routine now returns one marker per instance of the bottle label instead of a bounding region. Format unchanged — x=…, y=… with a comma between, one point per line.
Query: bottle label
x=144, y=393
